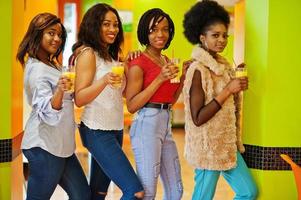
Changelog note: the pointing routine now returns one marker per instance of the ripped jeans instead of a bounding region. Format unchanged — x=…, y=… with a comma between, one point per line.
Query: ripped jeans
x=156, y=153
x=108, y=163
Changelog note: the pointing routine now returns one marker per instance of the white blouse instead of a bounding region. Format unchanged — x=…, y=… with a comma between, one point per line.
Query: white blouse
x=105, y=112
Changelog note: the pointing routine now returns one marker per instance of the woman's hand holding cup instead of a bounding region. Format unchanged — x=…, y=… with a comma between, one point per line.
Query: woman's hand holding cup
x=174, y=67
x=116, y=76
x=67, y=79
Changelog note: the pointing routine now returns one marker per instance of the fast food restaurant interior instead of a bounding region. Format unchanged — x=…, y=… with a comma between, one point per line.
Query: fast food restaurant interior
x=263, y=34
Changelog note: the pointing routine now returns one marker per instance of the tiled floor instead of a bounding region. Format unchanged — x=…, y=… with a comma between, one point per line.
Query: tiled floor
x=223, y=191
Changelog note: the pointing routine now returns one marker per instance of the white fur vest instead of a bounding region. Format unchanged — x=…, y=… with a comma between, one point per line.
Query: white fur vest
x=214, y=144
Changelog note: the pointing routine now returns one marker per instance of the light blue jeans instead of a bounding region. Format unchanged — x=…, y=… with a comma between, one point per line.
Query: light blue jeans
x=239, y=178
x=156, y=153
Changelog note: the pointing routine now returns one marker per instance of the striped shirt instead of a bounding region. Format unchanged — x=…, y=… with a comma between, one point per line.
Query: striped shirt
x=49, y=129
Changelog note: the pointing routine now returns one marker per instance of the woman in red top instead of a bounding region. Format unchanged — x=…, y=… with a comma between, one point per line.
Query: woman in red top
x=150, y=92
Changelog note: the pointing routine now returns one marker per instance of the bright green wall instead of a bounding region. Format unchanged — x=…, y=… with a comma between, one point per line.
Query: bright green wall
x=256, y=58
x=6, y=63
x=5, y=181
x=271, y=110
x=275, y=185
x=5, y=91
x=284, y=69
x=272, y=54
x=86, y=4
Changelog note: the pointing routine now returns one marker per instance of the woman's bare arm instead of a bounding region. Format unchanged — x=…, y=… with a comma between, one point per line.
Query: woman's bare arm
x=85, y=91
x=136, y=98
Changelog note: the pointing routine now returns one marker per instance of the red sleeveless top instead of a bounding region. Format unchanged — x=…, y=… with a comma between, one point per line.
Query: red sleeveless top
x=151, y=70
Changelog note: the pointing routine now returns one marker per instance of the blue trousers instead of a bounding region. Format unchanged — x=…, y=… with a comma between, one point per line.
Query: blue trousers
x=109, y=163
x=46, y=171
x=156, y=153
x=239, y=178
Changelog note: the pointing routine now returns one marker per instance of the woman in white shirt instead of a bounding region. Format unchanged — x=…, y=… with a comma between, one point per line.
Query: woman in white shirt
x=48, y=142
x=101, y=129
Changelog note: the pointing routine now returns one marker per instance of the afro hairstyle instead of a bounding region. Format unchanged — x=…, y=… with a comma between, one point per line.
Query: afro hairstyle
x=202, y=15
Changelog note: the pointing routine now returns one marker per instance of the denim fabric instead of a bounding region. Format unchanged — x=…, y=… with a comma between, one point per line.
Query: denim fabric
x=238, y=178
x=47, y=170
x=156, y=153
x=109, y=163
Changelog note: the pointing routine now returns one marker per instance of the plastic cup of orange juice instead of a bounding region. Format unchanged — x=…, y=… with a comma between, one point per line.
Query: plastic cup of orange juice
x=119, y=70
x=69, y=73
x=241, y=72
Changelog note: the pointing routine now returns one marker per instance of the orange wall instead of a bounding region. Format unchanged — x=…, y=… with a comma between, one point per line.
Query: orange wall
x=239, y=32
x=33, y=7
x=17, y=72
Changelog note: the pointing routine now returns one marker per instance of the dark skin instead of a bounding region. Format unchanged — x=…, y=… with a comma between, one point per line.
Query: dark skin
x=214, y=40
x=200, y=112
x=136, y=96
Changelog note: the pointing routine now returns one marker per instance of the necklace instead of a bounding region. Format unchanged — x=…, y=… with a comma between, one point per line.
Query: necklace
x=158, y=60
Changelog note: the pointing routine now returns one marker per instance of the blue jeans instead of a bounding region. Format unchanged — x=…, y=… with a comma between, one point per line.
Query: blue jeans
x=156, y=153
x=239, y=178
x=46, y=171
x=109, y=163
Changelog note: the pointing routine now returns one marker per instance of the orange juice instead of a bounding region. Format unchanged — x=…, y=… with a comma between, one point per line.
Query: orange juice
x=241, y=72
x=71, y=76
x=119, y=70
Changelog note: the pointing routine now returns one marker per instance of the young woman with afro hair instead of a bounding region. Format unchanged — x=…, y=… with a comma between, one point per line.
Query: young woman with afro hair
x=212, y=141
